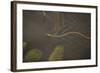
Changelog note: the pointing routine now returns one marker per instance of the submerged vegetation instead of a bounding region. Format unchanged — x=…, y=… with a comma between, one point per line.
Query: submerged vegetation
x=36, y=55
x=57, y=53
x=33, y=55
x=24, y=44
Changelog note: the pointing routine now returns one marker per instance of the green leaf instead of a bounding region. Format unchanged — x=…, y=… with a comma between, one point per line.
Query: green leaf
x=57, y=54
x=33, y=55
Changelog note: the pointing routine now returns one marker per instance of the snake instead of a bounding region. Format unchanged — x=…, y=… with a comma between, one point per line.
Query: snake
x=66, y=34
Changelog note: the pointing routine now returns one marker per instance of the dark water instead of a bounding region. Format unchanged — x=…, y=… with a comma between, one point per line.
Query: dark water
x=37, y=24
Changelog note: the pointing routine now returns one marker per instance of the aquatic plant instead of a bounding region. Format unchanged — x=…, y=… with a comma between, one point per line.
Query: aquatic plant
x=33, y=55
x=57, y=53
x=24, y=44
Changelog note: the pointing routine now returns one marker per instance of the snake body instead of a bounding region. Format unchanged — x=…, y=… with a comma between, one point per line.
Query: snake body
x=66, y=34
